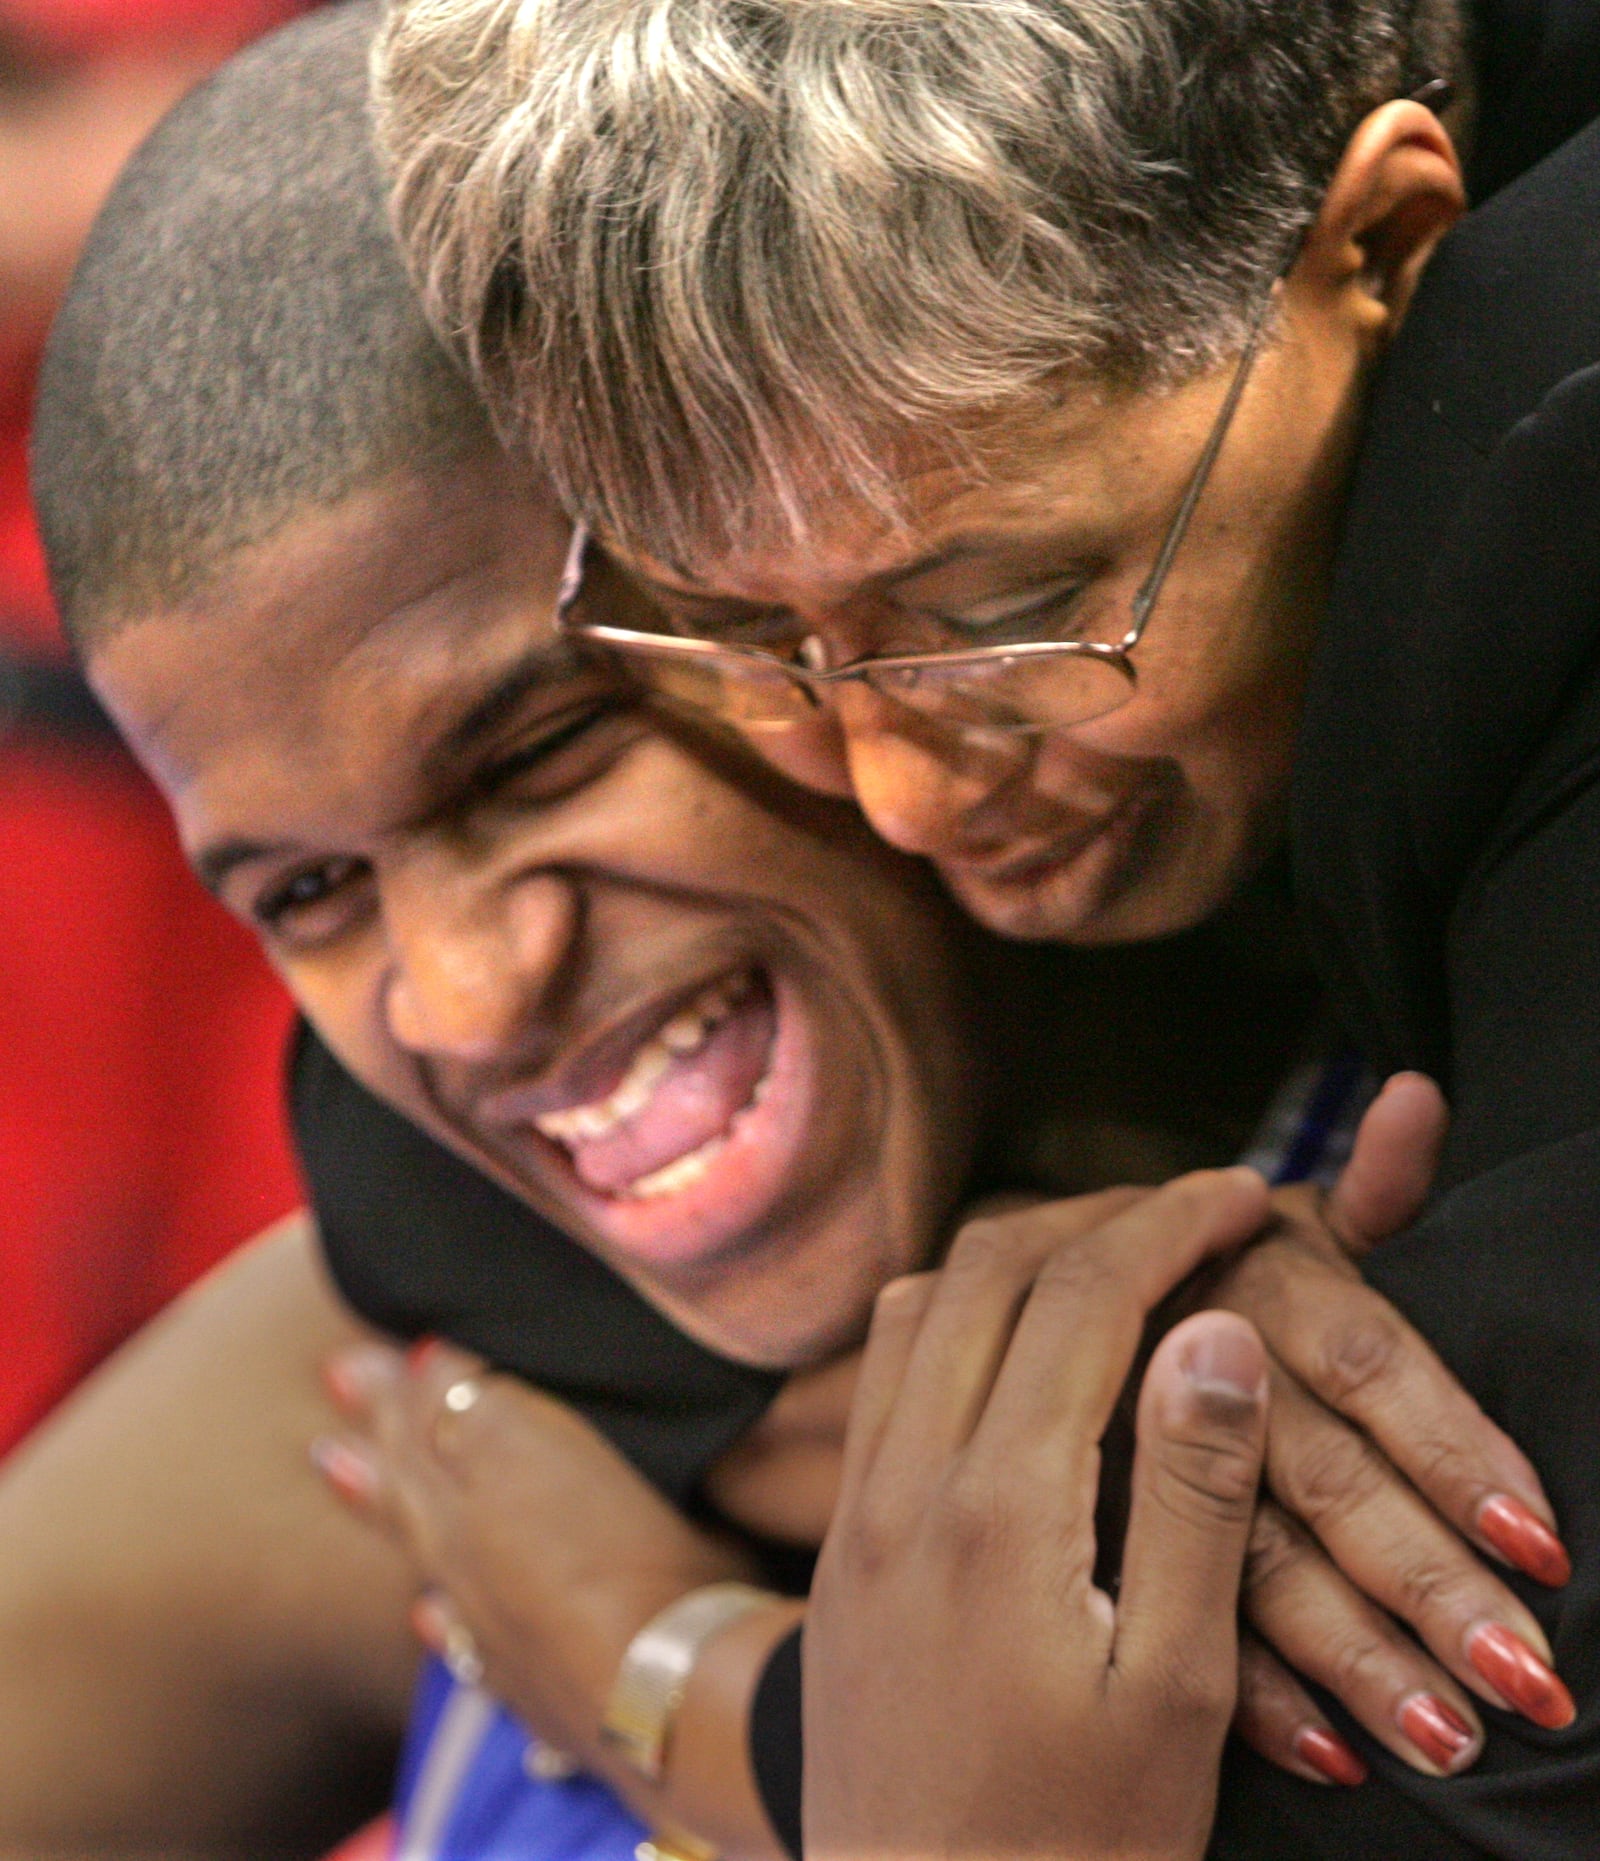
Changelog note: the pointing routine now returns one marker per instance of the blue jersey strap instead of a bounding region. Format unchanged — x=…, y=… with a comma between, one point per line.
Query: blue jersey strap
x=467, y=1790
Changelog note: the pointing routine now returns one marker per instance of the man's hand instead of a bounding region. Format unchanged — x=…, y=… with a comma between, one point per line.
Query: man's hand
x=969, y=1689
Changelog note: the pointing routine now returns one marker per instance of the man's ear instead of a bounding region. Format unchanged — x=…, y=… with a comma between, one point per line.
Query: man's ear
x=1397, y=191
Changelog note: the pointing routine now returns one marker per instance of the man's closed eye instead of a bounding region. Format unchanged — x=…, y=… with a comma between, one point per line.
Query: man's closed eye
x=314, y=903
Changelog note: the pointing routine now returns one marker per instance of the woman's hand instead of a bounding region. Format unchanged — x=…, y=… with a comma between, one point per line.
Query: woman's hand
x=970, y=1691
x=1383, y=1474
x=484, y=1500
x=780, y=1479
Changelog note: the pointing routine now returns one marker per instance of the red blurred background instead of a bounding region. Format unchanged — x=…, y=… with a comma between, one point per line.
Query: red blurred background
x=141, y=1125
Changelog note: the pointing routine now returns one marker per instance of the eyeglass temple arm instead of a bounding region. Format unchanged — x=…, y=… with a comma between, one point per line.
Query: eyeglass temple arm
x=1144, y=600
x=572, y=569
x=1437, y=94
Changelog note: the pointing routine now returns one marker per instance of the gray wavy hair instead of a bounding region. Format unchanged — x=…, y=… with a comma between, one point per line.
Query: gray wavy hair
x=713, y=259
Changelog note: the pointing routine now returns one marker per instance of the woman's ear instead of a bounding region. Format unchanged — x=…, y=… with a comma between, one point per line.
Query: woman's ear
x=1397, y=191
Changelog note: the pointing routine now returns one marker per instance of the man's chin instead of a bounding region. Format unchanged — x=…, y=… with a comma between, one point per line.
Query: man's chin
x=748, y=1319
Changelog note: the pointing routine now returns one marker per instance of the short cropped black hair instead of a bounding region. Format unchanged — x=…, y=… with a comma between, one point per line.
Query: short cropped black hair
x=239, y=342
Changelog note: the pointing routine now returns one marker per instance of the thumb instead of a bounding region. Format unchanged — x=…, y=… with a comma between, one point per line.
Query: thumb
x=1202, y=1435
x=1385, y=1184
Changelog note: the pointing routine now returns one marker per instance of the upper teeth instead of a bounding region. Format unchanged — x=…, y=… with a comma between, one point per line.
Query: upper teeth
x=687, y=1032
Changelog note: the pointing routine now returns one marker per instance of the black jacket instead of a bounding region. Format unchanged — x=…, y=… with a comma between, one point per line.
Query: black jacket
x=1447, y=842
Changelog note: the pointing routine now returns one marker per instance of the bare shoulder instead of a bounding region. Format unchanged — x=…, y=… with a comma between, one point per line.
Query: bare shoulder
x=174, y=1571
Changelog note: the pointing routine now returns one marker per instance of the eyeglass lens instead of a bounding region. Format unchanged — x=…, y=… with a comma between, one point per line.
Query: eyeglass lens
x=1014, y=695
x=1028, y=693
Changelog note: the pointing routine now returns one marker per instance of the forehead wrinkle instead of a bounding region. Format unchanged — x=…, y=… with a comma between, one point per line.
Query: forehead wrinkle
x=1062, y=458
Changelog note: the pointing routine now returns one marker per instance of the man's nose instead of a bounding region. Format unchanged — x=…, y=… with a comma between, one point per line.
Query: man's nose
x=473, y=961
x=924, y=787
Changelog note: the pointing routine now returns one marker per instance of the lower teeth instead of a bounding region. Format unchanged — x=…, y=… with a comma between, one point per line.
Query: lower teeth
x=673, y=1178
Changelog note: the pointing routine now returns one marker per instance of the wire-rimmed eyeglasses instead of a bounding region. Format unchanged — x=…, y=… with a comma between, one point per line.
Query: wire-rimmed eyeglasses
x=1019, y=688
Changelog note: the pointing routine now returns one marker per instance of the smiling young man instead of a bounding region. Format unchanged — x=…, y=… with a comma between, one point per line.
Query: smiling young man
x=703, y=1020
x=1089, y=417
x=713, y=1051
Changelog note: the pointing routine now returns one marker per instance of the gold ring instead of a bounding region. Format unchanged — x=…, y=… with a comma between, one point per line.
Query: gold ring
x=461, y=1655
x=464, y=1394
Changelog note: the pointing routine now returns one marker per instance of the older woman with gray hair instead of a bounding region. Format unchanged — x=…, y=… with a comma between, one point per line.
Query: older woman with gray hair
x=1084, y=430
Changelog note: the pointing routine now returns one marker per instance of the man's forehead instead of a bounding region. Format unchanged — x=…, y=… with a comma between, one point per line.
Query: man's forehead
x=331, y=670
x=389, y=574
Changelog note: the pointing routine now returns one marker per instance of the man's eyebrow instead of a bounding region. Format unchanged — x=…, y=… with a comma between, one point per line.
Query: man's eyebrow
x=216, y=863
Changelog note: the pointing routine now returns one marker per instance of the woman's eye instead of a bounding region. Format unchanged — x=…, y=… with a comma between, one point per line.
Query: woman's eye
x=777, y=633
x=765, y=630
x=1034, y=613
x=309, y=905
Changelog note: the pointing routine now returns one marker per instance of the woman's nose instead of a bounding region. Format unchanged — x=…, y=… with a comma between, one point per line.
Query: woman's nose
x=923, y=786
x=472, y=966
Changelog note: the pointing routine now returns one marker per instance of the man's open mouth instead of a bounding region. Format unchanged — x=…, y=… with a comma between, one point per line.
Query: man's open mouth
x=679, y=1133
x=679, y=1101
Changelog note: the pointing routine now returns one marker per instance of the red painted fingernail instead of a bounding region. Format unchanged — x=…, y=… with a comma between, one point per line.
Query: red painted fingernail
x=428, y=1624
x=1437, y=1730
x=1326, y=1751
x=422, y=1353
x=349, y=1474
x=1524, y=1540
x=1520, y=1678
x=341, y=1383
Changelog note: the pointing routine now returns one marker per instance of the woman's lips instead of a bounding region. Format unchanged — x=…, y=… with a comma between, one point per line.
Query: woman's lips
x=1082, y=864
x=1022, y=865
